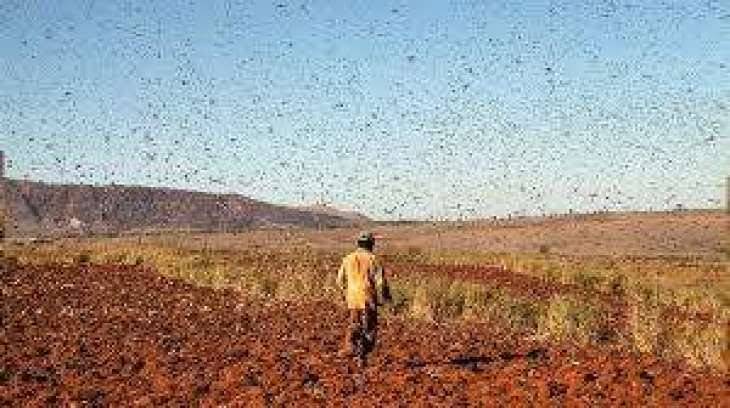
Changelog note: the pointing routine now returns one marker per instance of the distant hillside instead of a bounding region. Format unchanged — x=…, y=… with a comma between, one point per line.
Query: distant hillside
x=353, y=216
x=40, y=209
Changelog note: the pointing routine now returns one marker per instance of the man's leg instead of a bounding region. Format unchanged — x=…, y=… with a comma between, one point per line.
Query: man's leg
x=353, y=332
x=370, y=328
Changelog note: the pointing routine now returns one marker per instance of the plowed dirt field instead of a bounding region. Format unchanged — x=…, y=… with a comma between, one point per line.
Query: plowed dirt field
x=113, y=335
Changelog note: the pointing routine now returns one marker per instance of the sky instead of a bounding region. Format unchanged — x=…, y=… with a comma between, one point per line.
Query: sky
x=400, y=110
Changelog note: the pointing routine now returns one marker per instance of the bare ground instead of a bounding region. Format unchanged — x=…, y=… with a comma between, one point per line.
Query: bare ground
x=112, y=335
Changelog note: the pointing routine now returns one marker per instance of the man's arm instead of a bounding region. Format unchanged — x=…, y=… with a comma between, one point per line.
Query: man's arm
x=341, y=278
x=383, y=284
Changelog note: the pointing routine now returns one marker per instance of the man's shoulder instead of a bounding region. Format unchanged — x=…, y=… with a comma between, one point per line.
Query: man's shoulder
x=349, y=256
x=360, y=253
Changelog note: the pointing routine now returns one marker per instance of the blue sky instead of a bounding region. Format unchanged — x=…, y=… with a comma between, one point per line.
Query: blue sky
x=397, y=109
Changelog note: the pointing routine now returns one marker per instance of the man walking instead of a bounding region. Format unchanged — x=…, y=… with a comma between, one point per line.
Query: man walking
x=362, y=278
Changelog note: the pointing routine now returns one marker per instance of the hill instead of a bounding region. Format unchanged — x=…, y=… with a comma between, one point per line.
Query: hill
x=37, y=209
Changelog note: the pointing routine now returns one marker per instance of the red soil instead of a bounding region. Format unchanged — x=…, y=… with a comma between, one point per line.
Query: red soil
x=125, y=336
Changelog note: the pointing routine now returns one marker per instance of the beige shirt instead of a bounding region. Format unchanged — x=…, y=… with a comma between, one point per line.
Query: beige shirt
x=361, y=275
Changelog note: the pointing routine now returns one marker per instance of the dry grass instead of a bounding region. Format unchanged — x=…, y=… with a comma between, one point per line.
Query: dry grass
x=568, y=318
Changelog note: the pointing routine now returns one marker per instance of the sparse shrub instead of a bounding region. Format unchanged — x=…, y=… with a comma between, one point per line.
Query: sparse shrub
x=453, y=300
x=643, y=319
x=494, y=305
x=296, y=286
x=587, y=281
x=521, y=315
x=9, y=260
x=413, y=254
x=544, y=249
x=618, y=285
x=421, y=306
x=555, y=321
x=553, y=274
x=645, y=294
x=699, y=343
x=605, y=328
x=285, y=289
x=724, y=299
x=443, y=299
x=217, y=276
x=567, y=318
x=439, y=299
x=475, y=301
x=401, y=298
x=83, y=258
x=203, y=260
x=265, y=286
